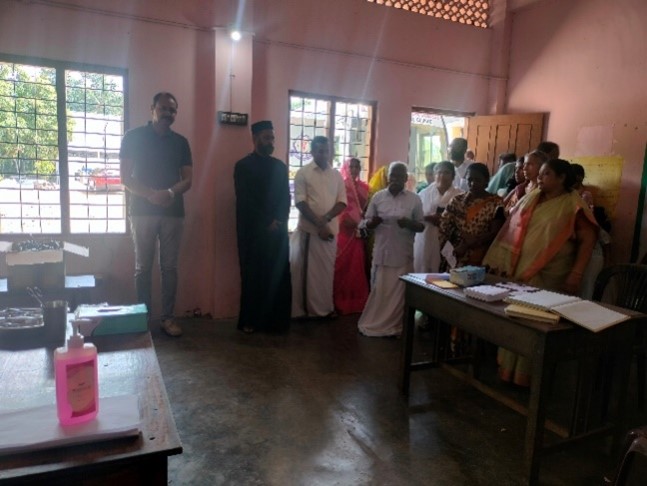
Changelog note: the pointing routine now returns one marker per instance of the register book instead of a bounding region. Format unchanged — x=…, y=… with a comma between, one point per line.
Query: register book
x=585, y=313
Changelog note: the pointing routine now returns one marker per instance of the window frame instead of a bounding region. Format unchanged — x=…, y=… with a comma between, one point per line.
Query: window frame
x=61, y=68
x=330, y=134
x=331, y=128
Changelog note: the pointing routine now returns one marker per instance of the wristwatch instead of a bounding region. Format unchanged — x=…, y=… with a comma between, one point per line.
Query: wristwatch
x=170, y=191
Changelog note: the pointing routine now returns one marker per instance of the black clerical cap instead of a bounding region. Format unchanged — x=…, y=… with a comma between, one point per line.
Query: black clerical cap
x=262, y=125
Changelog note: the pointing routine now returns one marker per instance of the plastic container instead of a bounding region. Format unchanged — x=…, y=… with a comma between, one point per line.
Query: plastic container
x=55, y=318
x=467, y=276
x=77, y=385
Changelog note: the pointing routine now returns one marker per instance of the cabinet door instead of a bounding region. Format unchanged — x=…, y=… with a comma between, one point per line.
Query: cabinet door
x=489, y=136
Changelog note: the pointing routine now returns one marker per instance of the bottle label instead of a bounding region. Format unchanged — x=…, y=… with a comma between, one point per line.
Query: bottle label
x=80, y=388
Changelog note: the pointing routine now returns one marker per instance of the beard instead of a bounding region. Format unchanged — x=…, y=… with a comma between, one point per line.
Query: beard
x=265, y=150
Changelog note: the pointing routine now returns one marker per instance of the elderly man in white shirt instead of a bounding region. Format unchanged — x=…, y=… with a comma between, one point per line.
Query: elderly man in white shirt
x=396, y=216
x=320, y=196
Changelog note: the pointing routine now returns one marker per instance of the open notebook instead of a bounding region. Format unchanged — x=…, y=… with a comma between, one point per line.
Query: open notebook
x=585, y=313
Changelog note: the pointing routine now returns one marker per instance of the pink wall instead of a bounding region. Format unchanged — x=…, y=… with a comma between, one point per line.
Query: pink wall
x=358, y=50
x=396, y=88
x=584, y=63
x=365, y=51
x=347, y=48
x=158, y=57
x=360, y=27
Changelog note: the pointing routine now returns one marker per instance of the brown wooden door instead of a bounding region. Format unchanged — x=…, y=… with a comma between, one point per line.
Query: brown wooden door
x=489, y=136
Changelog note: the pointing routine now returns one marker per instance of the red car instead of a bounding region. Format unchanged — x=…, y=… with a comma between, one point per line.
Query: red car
x=105, y=180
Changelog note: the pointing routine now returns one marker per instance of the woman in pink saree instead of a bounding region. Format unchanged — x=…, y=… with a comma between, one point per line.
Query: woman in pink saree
x=350, y=284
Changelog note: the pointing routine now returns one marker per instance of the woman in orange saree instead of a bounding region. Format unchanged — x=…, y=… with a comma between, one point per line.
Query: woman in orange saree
x=350, y=287
x=546, y=242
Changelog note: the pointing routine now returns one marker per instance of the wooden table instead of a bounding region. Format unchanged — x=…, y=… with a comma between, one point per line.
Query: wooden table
x=127, y=365
x=78, y=290
x=544, y=345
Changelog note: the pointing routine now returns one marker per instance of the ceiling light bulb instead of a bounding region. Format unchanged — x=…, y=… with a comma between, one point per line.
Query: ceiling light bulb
x=235, y=35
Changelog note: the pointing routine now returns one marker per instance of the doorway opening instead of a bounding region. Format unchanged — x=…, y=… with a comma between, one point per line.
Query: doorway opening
x=430, y=134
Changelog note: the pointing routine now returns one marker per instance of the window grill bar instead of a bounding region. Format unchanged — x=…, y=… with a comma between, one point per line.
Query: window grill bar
x=30, y=107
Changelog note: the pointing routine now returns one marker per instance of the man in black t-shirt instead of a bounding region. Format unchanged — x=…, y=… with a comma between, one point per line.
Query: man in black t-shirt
x=156, y=168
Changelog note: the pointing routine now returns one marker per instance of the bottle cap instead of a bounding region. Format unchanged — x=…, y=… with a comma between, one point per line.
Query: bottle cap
x=76, y=340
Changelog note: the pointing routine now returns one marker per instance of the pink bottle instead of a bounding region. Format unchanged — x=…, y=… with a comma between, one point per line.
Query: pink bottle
x=77, y=386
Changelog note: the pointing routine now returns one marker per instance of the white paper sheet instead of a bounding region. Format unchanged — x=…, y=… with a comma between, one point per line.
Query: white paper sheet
x=38, y=428
x=448, y=252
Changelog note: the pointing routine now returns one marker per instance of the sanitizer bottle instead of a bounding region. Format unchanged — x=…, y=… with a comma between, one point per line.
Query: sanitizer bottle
x=77, y=387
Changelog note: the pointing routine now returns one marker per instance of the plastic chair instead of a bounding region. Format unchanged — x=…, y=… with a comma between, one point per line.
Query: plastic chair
x=633, y=465
x=626, y=286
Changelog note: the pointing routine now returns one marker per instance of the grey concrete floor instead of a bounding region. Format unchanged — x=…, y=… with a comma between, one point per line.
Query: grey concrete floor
x=320, y=406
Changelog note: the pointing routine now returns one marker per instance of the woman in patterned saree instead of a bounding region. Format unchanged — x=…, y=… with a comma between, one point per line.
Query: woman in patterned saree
x=471, y=220
x=350, y=288
x=546, y=242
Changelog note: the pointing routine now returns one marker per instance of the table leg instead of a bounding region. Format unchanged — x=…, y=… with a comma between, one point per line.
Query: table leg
x=408, y=330
x=584, y=403
x=623, y=351
x=536, y=411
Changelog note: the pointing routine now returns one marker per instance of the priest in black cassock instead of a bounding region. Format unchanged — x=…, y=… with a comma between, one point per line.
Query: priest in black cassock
x=262, y=210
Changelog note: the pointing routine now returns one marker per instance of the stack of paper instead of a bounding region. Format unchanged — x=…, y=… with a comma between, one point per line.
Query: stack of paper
x=542, y=299
x=514, y=310
x=516, y=287
x=439, y=280
x=487, y=293
x=38, y=428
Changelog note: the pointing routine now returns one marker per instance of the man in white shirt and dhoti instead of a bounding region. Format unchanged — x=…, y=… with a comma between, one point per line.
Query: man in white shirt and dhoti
x=319, y=195
x=396, y=216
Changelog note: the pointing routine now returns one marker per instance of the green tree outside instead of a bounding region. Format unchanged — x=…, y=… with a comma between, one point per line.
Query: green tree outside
x=94, y=93
x=28, y=114
x=28, y=124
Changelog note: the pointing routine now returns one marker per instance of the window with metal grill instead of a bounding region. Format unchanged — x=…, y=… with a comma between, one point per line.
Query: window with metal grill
x=60, y=131
x=348, y=124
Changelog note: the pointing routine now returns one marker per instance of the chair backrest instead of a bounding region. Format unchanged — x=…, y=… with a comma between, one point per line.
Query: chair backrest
x=633, y=465
x=629, y=283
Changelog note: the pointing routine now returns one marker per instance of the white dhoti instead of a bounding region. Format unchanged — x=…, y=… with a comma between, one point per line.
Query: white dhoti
x=426, y=250
x=312, y=265
x=593, y=268
x=384, y=310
